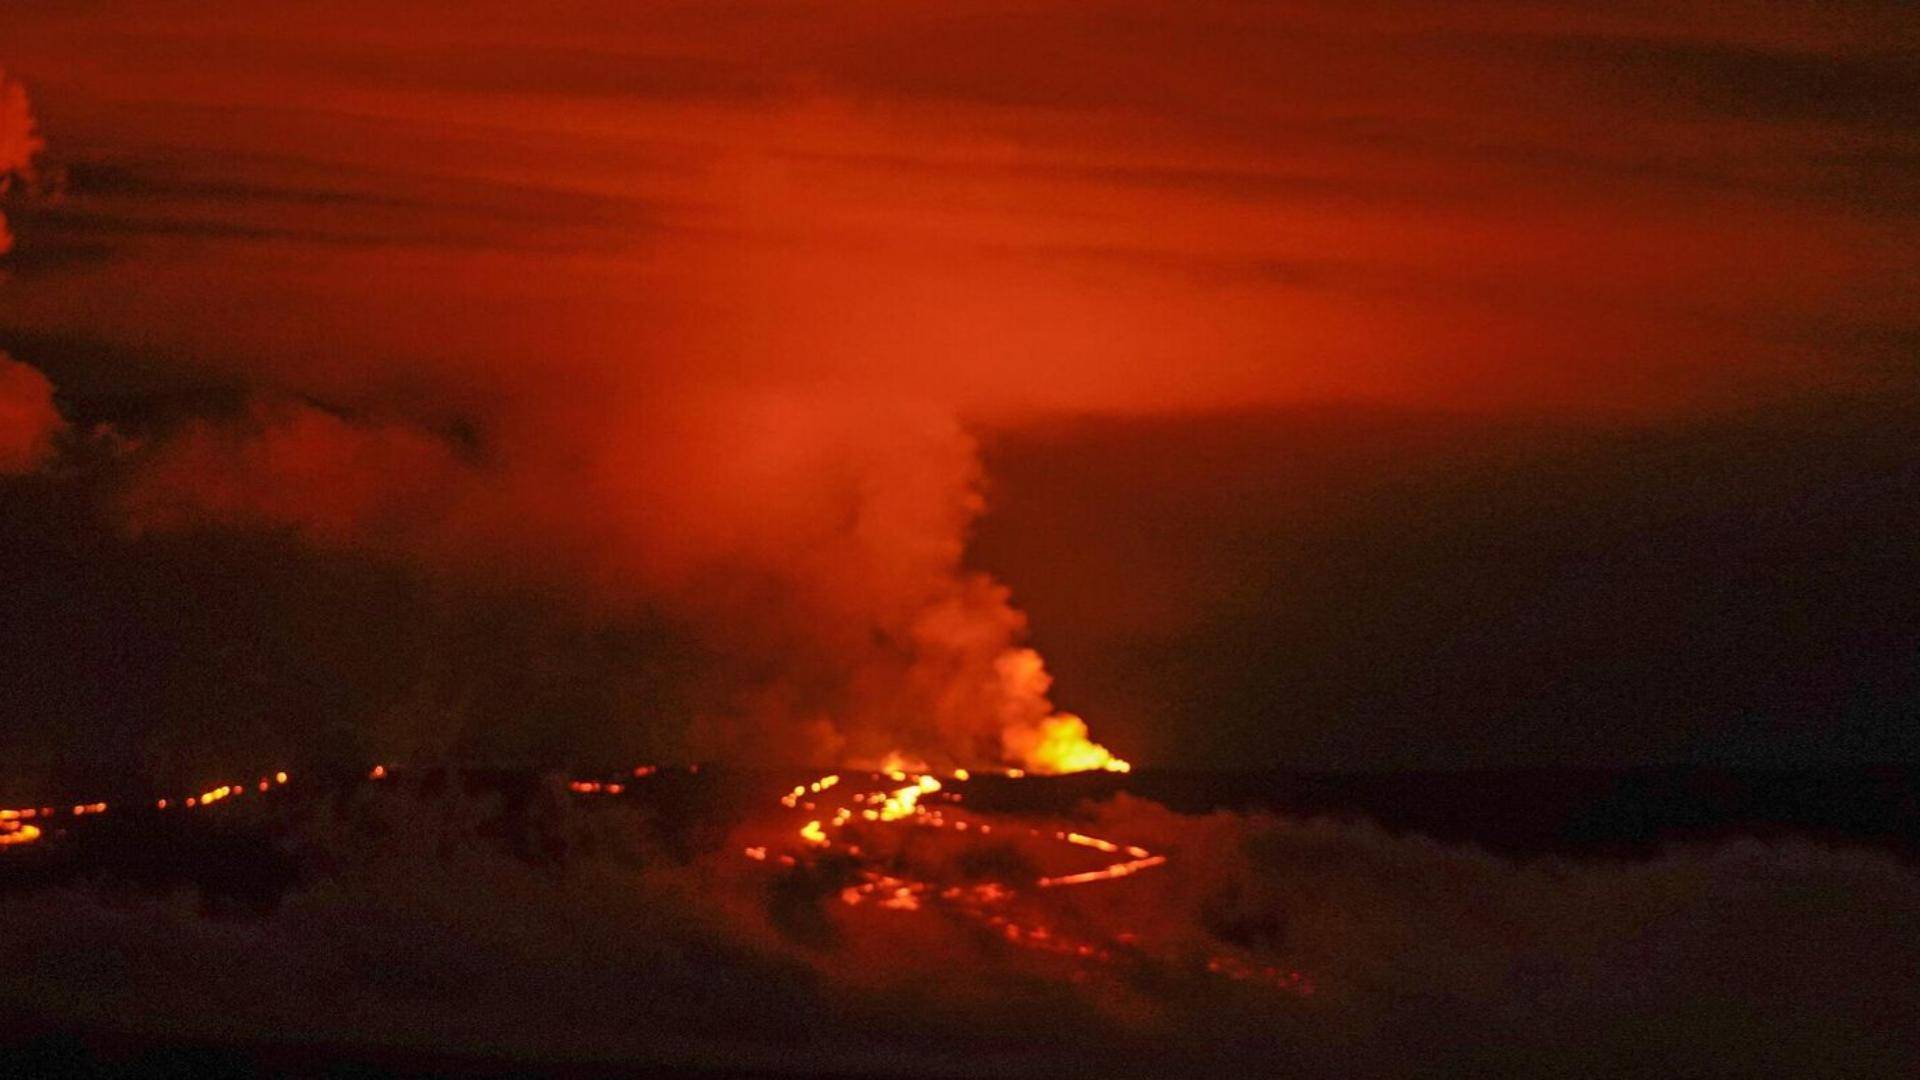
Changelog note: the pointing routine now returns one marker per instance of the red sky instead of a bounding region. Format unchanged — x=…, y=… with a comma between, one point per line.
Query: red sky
x=1004, y=209
x=711, y=303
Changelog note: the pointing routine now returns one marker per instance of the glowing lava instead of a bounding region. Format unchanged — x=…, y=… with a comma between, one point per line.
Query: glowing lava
x=897, y=798
x=16, y=830
x=837, y=811
x=1047, y=741
x=1060, y=744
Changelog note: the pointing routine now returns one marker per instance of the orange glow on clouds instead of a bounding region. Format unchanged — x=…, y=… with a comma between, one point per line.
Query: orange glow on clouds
x=709, y=316
x=19, y=143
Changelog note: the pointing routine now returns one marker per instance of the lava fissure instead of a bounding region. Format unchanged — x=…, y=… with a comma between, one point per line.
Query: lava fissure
x=850, y=818
x=910, y=800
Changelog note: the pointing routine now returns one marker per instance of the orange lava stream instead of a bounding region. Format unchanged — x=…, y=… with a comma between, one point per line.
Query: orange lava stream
x=911, y=799
x=1105, y=873
x=16, y=826
x=895, y=798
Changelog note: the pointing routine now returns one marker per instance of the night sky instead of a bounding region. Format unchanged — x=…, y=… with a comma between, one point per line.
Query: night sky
x=1401, y=385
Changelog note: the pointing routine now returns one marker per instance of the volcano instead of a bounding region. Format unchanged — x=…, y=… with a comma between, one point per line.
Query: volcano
x=707, y=920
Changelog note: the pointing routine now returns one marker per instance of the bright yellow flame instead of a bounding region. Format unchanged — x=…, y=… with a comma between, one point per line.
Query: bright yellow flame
x=896, y=762
x=23, y=834
x=1061, y=745
x=904, y=803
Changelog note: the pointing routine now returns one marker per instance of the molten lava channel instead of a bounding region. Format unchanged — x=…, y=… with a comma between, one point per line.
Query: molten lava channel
x=842, y=813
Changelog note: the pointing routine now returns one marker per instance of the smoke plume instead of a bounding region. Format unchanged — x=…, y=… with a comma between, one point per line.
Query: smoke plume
x=701, y=314
x=19, y=142
x=819, y=546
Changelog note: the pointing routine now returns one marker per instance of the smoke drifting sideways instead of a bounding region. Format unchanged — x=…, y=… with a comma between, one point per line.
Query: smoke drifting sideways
x=813, y=538
x=816, y=544
x=699, y=313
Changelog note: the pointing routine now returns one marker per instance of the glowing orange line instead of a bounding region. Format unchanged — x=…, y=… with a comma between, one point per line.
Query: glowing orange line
x=1117, y=870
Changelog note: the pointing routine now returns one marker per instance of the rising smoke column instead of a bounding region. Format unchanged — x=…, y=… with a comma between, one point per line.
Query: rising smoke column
x=919, y=656
x=555, y=255
x=814, y=541
x=818, y=534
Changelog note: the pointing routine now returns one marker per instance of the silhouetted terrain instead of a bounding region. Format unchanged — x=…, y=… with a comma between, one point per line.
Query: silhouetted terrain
x=493, y=922
x=1550, y=811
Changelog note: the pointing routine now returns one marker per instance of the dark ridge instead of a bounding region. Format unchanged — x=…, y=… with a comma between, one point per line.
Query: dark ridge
x=1526, y=813
x=54, y=1054
x=237, y=856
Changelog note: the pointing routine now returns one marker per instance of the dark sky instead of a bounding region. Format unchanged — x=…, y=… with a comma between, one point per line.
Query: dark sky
x=1346, y=385
x=1347, y=587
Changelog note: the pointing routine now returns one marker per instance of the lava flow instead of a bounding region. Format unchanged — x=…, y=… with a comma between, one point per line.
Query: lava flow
x=850, y=826
x=24, y=825
x=856, y=827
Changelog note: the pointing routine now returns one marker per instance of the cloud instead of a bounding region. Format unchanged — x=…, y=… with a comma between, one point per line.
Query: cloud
x=29, y=420
x=19, y=142
x=706, y=311
x=1066, y=210
x=821, y=543
x=327, y=478
x=28, y=417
